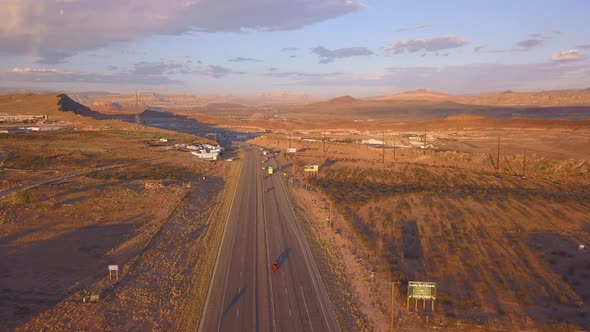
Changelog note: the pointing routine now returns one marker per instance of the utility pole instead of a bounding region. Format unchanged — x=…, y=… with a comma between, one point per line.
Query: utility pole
x=524, y=164
x=324, y=141
x=136, y=108
x=498, y=156
x=330, y=214
x=424, y=146
x=383, y=148
x=393, y=304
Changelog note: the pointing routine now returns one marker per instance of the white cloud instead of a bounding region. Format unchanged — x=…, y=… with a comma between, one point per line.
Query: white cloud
x=54, y=76
x=327, y=56
x=141, y=73
x=214, y=71
x=471, y=78
x=571, y=55
x=54, y=30
x=31, y=70
x=433, y=44
x=413, y=28
x=243, y=59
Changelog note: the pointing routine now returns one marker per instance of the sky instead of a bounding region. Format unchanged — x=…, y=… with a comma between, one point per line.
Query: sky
x=323, y=48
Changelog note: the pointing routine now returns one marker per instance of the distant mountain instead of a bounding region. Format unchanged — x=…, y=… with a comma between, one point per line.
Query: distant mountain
x=342, y=100
x=573, y=97
x=420, y=94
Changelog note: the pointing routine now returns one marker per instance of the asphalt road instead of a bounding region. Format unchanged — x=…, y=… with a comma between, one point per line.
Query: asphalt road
x=245, y=293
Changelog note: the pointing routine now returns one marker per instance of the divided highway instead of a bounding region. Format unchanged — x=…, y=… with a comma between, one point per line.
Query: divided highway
x=246, y=294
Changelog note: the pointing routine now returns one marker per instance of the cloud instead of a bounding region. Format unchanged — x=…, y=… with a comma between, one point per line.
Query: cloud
x=289, y=49
x=433, y=44
x=141, y=73
x=154, y=68
x=241, y=59
x=299, y=75
x=215, y=71
x=566, y=56
x=327, y=56
x=79, y=77
x=478, y=48
x=32, y=70
x=54, y=31
x=583, y=46
x=530, y=43
x=414, y=28
x=466, y=78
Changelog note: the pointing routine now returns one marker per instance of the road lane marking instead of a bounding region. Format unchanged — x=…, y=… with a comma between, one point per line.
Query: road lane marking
x=306, y=310
x=219, y=255
x=269, y=276
x=305, y=255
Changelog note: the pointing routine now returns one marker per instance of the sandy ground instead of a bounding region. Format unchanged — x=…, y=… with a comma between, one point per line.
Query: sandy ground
x=157, y=217
x=503, y=248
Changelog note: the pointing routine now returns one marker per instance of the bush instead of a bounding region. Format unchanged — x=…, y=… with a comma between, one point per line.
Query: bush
x=23, y=197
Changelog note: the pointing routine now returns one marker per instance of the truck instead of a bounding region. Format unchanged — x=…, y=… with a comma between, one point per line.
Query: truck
x=270, y=170
x=264, y=153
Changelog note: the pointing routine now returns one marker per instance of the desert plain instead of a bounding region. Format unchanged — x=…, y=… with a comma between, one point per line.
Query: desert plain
x=487, y=196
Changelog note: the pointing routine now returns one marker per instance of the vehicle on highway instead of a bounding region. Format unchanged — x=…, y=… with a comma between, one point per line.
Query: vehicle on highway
x=270, y=170
x=275, y=266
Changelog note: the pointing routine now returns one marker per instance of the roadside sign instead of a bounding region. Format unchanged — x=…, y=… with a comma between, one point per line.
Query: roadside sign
x=311, y=168
x=422, y=290
x=115, y=269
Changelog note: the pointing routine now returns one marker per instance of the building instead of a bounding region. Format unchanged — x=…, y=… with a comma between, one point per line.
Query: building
x=206, y=155
x=372, y=141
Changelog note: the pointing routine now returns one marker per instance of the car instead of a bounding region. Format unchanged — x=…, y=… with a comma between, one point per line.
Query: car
x=275, y=266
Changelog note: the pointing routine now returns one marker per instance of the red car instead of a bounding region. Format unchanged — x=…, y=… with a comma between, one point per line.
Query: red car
x=275, y=266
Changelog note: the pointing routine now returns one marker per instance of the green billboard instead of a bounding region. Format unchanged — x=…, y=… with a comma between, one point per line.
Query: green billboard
x=421, y=290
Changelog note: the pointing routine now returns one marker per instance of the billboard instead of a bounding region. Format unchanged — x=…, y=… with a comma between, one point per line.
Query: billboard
x=291, y=150
x=421, y=290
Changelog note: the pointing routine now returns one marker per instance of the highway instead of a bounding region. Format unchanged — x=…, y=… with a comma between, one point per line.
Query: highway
x=245, y=294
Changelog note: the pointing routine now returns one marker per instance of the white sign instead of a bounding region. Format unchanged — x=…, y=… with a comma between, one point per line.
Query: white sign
x=291, y=150
x=311, y=168
x=113, y=267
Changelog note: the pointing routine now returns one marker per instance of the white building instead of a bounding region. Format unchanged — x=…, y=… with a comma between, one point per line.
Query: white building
x=372, y=141
x=206, y=155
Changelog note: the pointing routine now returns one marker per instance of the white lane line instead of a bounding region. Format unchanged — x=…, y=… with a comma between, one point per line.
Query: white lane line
x=269, y=276
x=306, y=310
x=238, y=312
x=202, y=322
x=285, y=290
x=305, y=255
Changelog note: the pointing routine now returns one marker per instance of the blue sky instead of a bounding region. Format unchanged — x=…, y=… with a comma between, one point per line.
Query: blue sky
x=319, y=47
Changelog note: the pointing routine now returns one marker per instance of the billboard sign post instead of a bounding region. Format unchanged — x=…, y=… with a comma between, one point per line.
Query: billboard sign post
x=419, y=290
